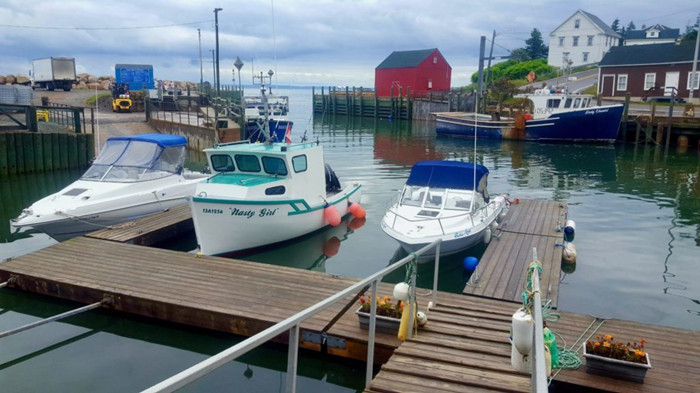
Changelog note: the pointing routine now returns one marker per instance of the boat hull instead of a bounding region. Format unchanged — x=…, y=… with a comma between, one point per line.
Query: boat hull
x=227, y=226
x=598, y=124
x=278, y=128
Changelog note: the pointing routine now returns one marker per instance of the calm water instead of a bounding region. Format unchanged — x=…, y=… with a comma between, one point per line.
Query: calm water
x=637, y=211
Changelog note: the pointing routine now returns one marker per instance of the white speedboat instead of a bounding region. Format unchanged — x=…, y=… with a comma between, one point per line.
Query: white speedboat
x=133, y=176
x=444, y=200
x=266, y=193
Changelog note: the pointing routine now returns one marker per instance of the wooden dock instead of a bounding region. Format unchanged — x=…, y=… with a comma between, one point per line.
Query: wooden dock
x=151, y=229
x=503, y=267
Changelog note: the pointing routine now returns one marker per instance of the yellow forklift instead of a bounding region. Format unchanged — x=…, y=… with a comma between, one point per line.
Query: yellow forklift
x=121, y=102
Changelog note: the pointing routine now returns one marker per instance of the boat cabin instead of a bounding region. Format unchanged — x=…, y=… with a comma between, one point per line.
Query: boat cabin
x=548, y=101
x=138, y=158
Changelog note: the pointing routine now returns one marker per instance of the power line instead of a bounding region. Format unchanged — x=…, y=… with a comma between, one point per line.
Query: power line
x=103, y=28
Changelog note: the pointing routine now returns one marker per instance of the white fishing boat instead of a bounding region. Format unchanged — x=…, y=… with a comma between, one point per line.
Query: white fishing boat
x=445, y=200
x=133, y=176
x=266, y=193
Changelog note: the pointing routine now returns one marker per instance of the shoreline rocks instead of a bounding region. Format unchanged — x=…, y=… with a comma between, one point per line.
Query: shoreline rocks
x=91, y=82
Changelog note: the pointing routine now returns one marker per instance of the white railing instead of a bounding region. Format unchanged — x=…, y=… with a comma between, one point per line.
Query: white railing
x=292, y=324
x=538, y=383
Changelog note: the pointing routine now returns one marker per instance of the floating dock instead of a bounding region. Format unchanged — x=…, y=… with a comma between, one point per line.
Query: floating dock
x=464, y=346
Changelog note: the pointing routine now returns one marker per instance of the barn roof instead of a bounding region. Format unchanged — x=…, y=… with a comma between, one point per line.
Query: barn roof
x=649, y=54
x=664, y=32
x=406, y=58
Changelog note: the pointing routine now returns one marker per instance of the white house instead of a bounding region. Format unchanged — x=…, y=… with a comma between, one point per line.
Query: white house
x=582, y=39
x=656, y=34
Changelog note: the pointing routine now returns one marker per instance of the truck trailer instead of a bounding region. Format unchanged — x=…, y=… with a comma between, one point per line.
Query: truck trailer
x=54, y=73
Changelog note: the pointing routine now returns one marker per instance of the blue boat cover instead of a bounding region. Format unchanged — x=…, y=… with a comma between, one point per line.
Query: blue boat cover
x=163, y=140
x=446, y=174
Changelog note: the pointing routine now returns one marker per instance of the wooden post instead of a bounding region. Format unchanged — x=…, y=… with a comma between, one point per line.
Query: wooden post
x=668, y=133
x=72, y=145
x=638, y=131
x=3, y=154
x=409, y=103
x=623, y=123
x=20, y=153
x=76, y=120
x=46, y=146
x=90, y=148
x=63, y=154
x=659, y=133
x=362, y=103
x=400, y=108
x=653, y=111
x=313, y=99
x=82, y=151
x=347, y=101
x=376, y=103
x=55, y=152
x=92, y=119
x=38, y=152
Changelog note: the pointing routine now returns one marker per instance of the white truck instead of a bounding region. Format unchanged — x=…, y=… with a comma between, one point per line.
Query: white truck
x=54, y=73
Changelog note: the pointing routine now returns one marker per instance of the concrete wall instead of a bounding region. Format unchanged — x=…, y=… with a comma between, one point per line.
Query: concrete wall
x=199, y=138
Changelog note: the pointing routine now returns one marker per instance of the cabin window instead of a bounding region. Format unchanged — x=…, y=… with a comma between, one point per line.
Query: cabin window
x=567, y=103
x=577, y=23
x=553, y=103
x=413, y=195
x=274, y=166
x=590, y=40
x=247, y=163
x=222, y=163
x=277, y=190
x=458, y=200
x=649, y=81
x=561, y=41
x=585, y=102
x=575, y=43
x=299, y=163
x=622, y=82
x=577, y=102
x=696, y=84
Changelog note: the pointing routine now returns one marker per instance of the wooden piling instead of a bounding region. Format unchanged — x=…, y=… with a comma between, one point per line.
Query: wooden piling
x=19, y=163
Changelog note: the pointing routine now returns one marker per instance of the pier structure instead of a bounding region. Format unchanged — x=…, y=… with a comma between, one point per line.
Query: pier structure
x=464, y=345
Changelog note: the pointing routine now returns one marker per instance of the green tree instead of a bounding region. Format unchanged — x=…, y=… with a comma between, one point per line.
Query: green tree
x=535, y=46
x=615, y=26
x=631, y=26
x=520, y=54
x=690, y=33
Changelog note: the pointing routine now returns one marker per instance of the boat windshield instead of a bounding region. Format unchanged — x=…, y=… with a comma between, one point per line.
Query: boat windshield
x=133, y=161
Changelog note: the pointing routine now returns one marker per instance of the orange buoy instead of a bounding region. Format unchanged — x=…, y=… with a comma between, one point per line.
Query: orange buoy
x=356, y=210
x=356, y=223
x=330, y=213
x=331, y=247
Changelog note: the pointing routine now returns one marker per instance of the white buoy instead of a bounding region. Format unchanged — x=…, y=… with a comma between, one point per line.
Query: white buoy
x=519, y=361
x=522, y=329
x=569, y=253
x=421, y=318
x=401, y=291
x=494, y=225
x=569, y=230
x=501, y=216
x=487, y=235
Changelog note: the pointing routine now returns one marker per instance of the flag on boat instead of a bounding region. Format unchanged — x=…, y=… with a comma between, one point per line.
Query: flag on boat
x=288, y=133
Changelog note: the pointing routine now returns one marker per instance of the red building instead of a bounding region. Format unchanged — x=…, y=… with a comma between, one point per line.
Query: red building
x=421, y=71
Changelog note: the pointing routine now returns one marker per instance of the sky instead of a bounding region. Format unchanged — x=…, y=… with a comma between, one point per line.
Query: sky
x=305, y=42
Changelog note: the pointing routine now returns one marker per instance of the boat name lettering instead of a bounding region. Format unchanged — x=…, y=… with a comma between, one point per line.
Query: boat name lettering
x=543, y=111
x=462, y=233
x=212, y=211
x=594, y=111
x=267, y=212
x=245, y=213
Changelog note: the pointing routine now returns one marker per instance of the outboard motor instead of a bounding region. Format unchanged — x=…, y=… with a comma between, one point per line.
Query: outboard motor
x=332, y=183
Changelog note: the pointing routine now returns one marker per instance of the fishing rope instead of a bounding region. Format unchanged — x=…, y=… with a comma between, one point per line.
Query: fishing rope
x=568, y=357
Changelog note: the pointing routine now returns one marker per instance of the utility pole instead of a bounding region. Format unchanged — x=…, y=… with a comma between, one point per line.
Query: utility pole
x=482, y=49
x=216, y=26
x=213, y=66
x=201, y=69
x=694, y=74
x=488, y=67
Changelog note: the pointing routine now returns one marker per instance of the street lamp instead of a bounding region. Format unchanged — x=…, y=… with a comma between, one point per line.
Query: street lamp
x=238, y=64
x=216, y=26
x=270, y=73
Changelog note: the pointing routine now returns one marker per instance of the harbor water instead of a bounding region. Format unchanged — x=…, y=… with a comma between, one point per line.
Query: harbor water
x=637, y=213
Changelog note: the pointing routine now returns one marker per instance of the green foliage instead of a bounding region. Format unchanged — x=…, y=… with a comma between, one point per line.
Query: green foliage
x=91, y=100
x=535, y=46
x=615, y=26
x=593, y=90
x=513, y=69
x=690, y=33
x=631, y=26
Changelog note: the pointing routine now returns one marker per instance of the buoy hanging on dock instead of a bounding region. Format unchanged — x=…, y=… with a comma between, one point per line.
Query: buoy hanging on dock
x=522, y=329
x=356, y=210
x=519, y=361
x=550, y=341
x=330, y=213
x=470, y=263
x=569, y=253
x=569, y=230
x=401, y=291
x=403, y=326
x=487, y=235
x=421, y=318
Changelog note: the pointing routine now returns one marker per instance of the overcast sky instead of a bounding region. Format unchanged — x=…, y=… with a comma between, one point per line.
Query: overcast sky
x=306, y=42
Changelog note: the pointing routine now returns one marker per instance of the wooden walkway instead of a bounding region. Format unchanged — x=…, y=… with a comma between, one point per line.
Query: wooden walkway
x=151, y=229
x=503, y=267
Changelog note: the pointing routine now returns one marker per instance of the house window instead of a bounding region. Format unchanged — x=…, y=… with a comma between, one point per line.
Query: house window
x=430, y=83
x=577, y=23
x=575, y=40
x=434, y=59
x=585, y=57
x=622, y=82
x=695, y=84
x=561, y=41
x=590, y=40
x=649, y=81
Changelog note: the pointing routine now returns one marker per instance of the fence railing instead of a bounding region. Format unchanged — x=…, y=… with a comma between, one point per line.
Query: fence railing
x=539, y=382
x=293, y=323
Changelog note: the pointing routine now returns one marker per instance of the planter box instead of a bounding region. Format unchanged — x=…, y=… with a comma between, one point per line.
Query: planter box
x=384, y=324
x=614, y=368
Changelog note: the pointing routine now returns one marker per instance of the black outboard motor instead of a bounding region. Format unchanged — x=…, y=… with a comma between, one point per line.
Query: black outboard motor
x=332, y=183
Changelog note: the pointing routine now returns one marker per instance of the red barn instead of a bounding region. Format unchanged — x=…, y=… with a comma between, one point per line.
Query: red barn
x=423, y=71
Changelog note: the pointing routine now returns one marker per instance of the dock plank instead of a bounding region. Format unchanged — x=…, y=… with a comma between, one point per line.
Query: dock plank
x=151, y=229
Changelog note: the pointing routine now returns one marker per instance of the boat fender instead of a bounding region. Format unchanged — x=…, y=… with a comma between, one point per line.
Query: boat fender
x=501, y=216
x=487, y=236
x=548, y=360
x=331, y=247
x=551, y=342
x=519, y=361
x=522, y=329
x=356, y=210
x=421, y=318
x=330, y=213
x=569, y=230
x=569, y=253
x=401, y=291
x=470, y=263
x=494, y=225
x=403, y=326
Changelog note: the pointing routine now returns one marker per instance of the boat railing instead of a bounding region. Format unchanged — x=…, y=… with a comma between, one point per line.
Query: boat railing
x=539, y=382
x=292, y=324
x=482, y=210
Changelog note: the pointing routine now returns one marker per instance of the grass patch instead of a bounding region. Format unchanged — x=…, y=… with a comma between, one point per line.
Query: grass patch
x=593, y=90
x=91, y=101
